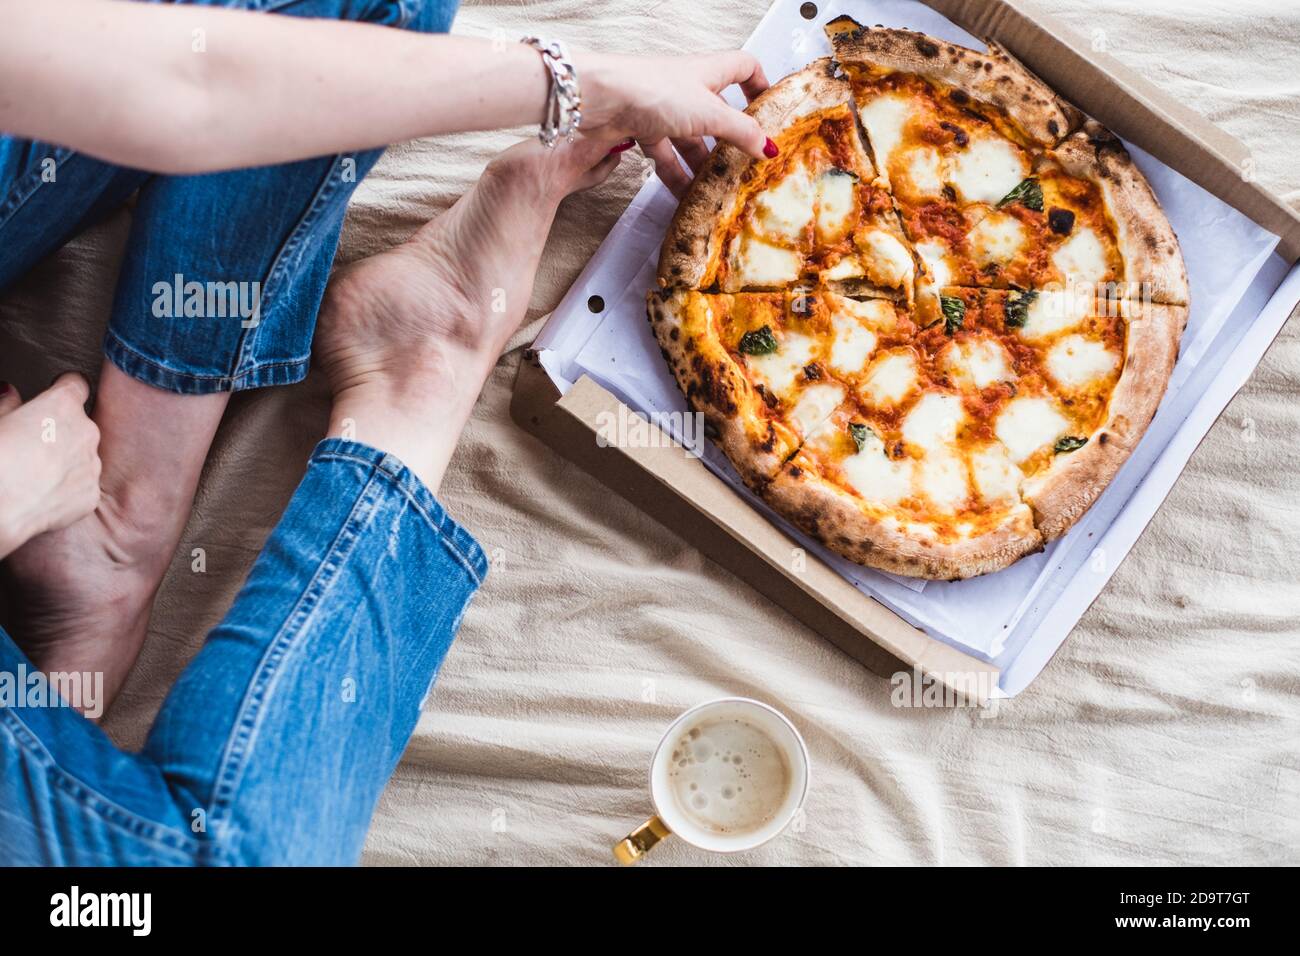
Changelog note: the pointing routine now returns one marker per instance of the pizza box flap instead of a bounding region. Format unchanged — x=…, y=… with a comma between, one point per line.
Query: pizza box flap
x=676, y=489
x=1080, y=70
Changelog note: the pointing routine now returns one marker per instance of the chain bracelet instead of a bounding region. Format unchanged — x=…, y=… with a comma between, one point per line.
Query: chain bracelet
x=563, y=113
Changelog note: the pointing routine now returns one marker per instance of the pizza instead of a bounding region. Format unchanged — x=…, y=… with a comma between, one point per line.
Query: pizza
x=933, y=327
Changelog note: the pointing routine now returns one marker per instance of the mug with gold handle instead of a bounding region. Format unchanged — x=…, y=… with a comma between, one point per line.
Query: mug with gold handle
x=671, y=818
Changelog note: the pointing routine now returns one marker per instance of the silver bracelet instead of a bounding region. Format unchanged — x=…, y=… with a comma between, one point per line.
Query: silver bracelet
x=563, y=113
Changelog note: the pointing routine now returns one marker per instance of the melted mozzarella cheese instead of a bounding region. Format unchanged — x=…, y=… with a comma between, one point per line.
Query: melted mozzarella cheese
x=884, y=118
x=754, y=263
x=889, y=264
x=1076, y=361
x=780, y=370
x=1082, y=259
x=878, y=313
x=943, y=480
x=996, y=476
x=997, y=238
x=1053, y=311
x=1027, y=424
x=815, y=405
x=835, y=204
x=935, y=257
x=979, y=362
x=850, y=267
x=877, y=477
x=854, y=343
x=987, y=170
x=933, y=421
x=785, y=210
x=925, y=171
x=890, y=378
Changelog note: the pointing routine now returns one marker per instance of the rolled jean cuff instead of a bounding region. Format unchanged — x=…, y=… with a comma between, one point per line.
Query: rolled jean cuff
x=154, y=372
x=403, y=481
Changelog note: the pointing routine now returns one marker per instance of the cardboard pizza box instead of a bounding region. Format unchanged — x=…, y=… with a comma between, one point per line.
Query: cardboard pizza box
x=678, y=489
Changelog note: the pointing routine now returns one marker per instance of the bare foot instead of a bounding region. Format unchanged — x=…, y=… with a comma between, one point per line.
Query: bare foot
x=408, y=337
x=80, y=597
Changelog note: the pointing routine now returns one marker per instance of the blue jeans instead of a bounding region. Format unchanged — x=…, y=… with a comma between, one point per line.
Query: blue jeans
x=276, y=741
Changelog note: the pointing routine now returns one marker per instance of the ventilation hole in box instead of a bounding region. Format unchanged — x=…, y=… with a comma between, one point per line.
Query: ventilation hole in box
x=596, y=304
x=808, y=11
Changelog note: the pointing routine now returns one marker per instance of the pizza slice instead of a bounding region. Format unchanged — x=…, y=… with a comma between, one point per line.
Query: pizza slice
x=992, y=188
x=786, y=359
x=813, y=214
x=1090, y=374
x=917, y=493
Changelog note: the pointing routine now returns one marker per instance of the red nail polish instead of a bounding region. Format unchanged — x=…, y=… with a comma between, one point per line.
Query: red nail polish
x=622, y=147
x=769, y=149
x=4, y=388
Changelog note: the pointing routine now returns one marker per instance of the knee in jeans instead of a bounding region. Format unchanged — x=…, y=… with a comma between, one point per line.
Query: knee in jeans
x=425, y=16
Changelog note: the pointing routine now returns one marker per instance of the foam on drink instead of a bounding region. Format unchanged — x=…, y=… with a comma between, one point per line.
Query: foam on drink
x=727, y=775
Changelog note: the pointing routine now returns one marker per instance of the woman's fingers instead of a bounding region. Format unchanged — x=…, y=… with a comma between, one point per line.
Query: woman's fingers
x=693, y=151
x=739, y=129
x=9, y=398
x=668, y=166
x=737, y=66
x=74, y=383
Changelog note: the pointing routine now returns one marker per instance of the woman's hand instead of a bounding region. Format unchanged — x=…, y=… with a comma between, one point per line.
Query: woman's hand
x=49, y=460
x=672, y=101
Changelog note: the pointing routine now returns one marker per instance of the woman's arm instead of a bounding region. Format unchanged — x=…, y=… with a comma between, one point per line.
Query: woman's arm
x=184, y=88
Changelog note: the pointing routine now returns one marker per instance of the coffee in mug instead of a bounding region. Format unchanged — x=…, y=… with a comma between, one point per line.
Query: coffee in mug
x=729, y=775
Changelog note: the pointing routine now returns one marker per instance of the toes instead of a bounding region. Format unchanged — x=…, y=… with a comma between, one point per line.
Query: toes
x=600, y=172
x=9, y=398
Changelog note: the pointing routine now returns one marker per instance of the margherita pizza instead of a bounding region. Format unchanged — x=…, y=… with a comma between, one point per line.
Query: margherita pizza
x=934, y=326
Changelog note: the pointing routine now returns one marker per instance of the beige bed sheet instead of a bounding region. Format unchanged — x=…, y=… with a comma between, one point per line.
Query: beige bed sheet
x=1165, y=731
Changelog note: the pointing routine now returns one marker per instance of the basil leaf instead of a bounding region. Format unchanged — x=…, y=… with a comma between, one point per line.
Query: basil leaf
x=1069, y=443
x=954, y=312
x=860, y=433
x=1017, y=308
x=1029, y=194
x=758, y=342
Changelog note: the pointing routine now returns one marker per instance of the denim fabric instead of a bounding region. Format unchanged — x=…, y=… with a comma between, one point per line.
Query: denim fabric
x=275, y=742
x=262, y=237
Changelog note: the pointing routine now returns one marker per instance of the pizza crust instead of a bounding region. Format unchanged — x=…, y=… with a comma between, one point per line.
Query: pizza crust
x=714, y=385
x=1153, y=261
x=994, y=77
x=834, y=517
x=1065, y=490
x=686, y=254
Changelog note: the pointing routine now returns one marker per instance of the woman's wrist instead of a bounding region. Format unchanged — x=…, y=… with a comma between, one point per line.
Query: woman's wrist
x=601, y=97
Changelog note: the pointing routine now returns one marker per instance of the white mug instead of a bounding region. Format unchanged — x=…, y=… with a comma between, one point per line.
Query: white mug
x=671, y=817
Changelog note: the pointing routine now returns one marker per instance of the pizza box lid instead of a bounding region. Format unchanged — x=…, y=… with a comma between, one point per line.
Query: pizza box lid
x=677, y=489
